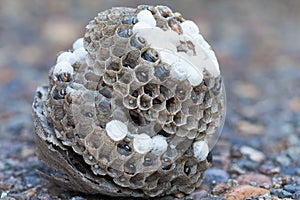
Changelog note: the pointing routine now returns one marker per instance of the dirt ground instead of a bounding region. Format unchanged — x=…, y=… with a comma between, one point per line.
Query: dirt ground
x=257, y=44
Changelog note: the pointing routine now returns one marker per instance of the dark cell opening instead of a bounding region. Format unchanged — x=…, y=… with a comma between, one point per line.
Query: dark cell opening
x=124, y=149
x=166, y=163
x=150, y=55
x=136, y=117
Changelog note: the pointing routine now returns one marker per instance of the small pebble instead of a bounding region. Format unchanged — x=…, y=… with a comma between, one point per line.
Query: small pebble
x=78, y=198
x=248, y=165
x=232, y=182
x=291, y=188
x=284, y=194
x=296, y=195
x=236, y=169
x=216, y=175
x=253, y=154
x=273, y=191
x=179, y=195
x=294, y=153
x=283, y=160
x=235, y=152
x=199, y=194
x=286, y=180
x=259, y=179
x=266, y=197
x=289, y=170
x=3, y=195
x=4, y=186
x=269, y=169
x=220, y=188
x=30, y=193
x=244, y=191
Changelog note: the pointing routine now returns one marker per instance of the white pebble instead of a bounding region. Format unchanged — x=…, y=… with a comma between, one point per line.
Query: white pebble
x=67, y=57
x=146, y=16
x=80, y=54
x=160, y=145
x=78, y=43
x=253, y=154
x=63, y=67
x=116, y=130
x=142, y=143
x=201, y=150
x=189, y=27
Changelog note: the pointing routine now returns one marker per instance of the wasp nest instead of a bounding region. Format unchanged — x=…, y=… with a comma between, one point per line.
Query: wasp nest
x=131, y=108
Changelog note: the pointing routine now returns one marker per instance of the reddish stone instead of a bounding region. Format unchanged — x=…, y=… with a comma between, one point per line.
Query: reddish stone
x=259, y=179
x=220, y=188
x=244, y=191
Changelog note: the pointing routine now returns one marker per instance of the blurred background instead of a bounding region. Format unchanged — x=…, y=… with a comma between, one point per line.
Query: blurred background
x=257, y=44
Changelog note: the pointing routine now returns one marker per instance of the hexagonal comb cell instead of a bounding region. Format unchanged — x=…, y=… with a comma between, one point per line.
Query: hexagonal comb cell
x=124, y=148
x=151, y=90
x=129, y=115
x=110, y=77
x=170, y=128
x=150, y=55
x=162, y=72
x=131, y=59
x=113, y=64
x=138, y=42
x=137, y=117
x=197, y=95
x=125, y=31
x=143, y=73
x=144, y=102
x=130, y=102
x=158, y=103
x=166, y=92
x=165, y=117
x=180, y=118
x=125, y=76
x=173, y=105
x=183, y=90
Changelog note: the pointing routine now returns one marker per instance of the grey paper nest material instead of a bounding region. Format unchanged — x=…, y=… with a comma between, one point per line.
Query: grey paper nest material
x=133, y=108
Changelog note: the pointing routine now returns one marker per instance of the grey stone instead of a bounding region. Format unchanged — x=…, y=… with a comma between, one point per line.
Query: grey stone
x=296, y=195
x=284, y=194
x=283, y=160
x=216, y=175
x=291, y=188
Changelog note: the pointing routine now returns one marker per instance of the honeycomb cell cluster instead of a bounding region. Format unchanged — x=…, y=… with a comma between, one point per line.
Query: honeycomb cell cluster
x=131, y=109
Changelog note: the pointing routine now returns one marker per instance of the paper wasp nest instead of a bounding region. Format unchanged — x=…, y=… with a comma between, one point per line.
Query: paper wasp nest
x=133, y=108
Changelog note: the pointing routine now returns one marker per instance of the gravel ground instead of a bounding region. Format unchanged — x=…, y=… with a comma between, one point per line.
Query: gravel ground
x=257, y=44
